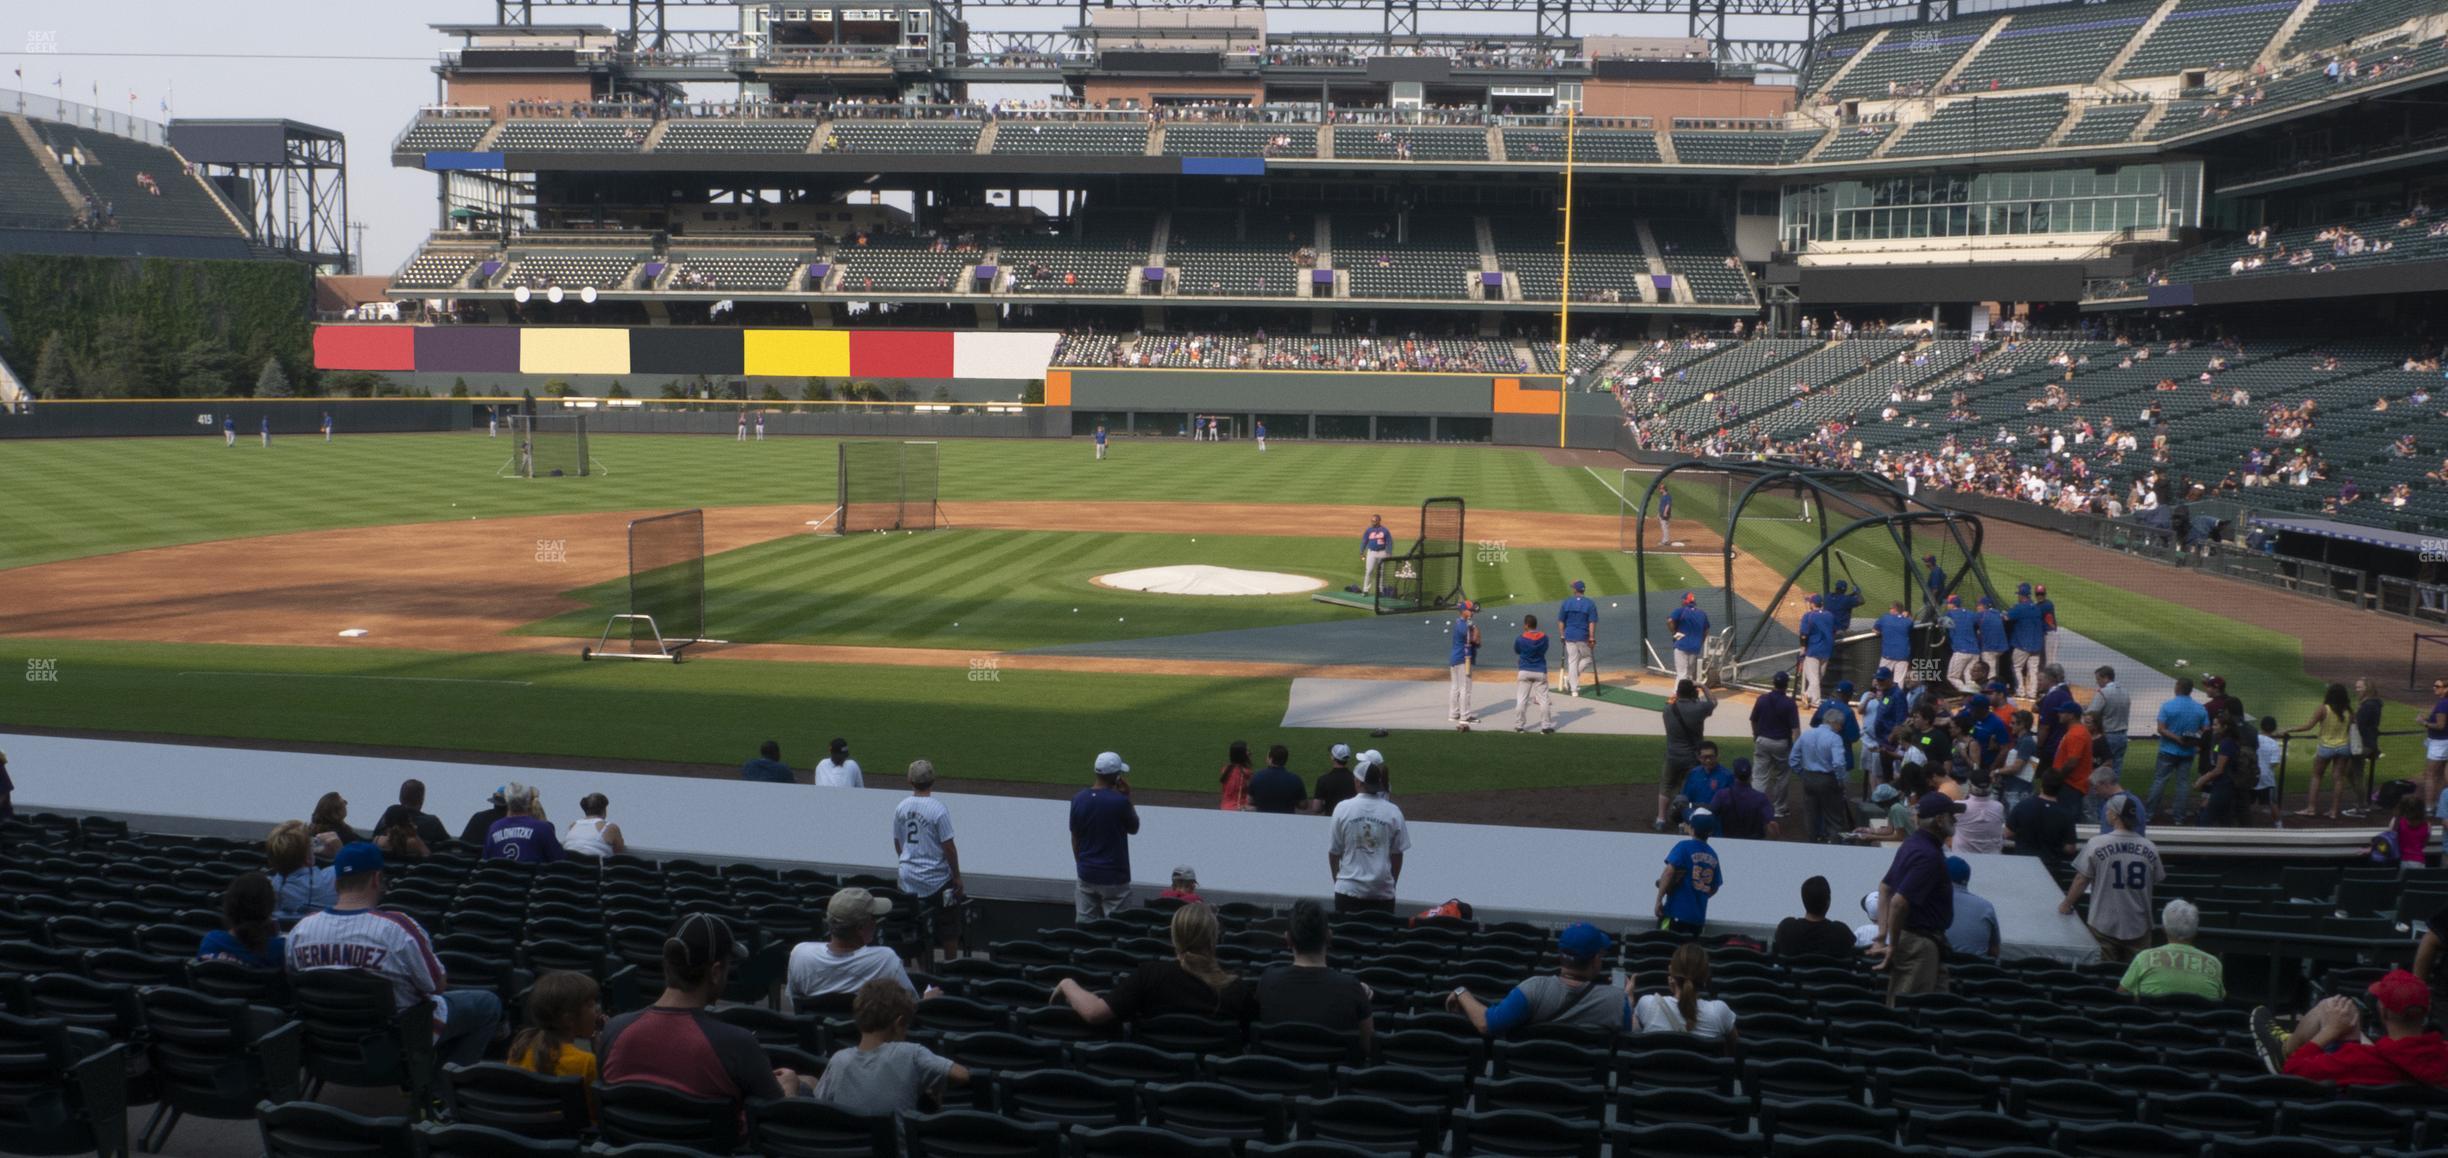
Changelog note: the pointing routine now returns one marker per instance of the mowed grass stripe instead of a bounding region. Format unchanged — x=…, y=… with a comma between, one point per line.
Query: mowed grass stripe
x=890, y=583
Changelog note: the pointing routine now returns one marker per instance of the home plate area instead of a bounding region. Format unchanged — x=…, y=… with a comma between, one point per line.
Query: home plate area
x=1419, y=705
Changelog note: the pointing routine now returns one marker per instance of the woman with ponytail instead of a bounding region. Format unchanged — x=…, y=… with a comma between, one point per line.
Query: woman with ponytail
x=1192, y=982
x=1681, y=1009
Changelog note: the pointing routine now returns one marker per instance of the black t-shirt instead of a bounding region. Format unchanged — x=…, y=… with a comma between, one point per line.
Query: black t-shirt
x=1275, y=789
x=1334, y=786
x=479, y=825
x=1165, y=987
x=2042, y=828
x=1311, y=996
x=1800, y=937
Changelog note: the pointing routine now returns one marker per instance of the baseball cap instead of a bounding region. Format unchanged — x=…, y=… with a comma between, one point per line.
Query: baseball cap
x=1781, y=679
x=1842, y=586
x=1844, y=687
x=1703, y=822
x=1999, y=686
x=1467, y=605
x=1988, y=602
x=1813, y=601
x=1959, y=870
x=1340, y=751
x=2070, y=708
x=838, y=745
x=1936, y=804
x=1183, y=872
x=2040, y=588
x=1577, y=585
x=1929, y=558
x=2022, y=588
x=1688, y=597
x=1870, y=904
x=1885, y=674
x=1954, y=600
x=1582, y=940
x=353, y=859
x=1977, y=704
x=853, y=906
x=1110, y=764
x=921, y=773
x=2398, y=991
x=2215, y=682
x=1884, y=794
x=705, y=939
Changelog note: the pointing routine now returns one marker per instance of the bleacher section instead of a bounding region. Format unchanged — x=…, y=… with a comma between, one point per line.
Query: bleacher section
x=145, y=188
x=27, y=196
x=434, y=270
x=1211, y=260
x=1815, y=371
x=1410, y=143
x=1911, y=59
x=1086, y=349
x=1866, y=391
x=1589, y=146
x=900, y=265
x=444, y=134
x=2068, y=45
x=2107, y=124
x=1239, y=140
x=2346, y=21
x=569, y=270
x=765, y=273
x=1732, y=363
x=902, y=136
x=2216, y=34
x=1039, y=138
x=1853, y=142
x=1697, y=250
x=2406, y=243
x=572, y=136
x=1983, y=124
x=1111, y=249
x=1831, y=53
x=723, y=136
x=1702, y=147
x=1439, y=258
x=1608, y=264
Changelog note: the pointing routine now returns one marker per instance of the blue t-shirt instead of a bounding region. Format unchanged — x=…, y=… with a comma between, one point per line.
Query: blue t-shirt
x=1963, y=631
x=1698, y=880
x=1275, y=789
x=1840, y=605
x=1261, y=428
x=1530, y=651
x=1102, y=821
x=1376, y=539
x=1575, y=617
x=1992, y=735
x=1705, y=782
x=524, y=839
x=1818, y=635
x=1461, y=642
x=1692, y=624
x=221, y=945
x=2185, y=717
x=1665, y=504
x=1992, y=631
x=1895, y=637
x=1937, y=580
x=2438, y=711
x=1100, y=436
x=2024, y=626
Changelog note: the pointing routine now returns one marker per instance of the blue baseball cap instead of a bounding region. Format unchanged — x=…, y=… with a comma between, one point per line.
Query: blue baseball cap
x=1887, y=674
x=1841, y=587
x=1988, y=602
x=1576, y=585
x=357, y=858
x=1703, y=823
x=1959, y=870
x=1582, y=940
x=1954, y=600
x=1844, y=687
x=2022, y=588
x=1813, y=601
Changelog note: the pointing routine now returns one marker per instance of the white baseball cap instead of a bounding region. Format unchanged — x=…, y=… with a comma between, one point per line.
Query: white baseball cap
x=1110, y=764
x=1371, y=758
x=1340, y=751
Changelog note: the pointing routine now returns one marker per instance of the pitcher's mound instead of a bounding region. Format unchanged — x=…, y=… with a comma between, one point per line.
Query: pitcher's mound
x=1200, y=579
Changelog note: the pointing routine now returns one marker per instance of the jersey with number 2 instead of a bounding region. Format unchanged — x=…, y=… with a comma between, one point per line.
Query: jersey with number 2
x=921, y=825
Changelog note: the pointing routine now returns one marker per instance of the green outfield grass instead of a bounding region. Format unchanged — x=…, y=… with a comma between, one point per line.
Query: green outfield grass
x=72, y=497
x=1009, y=590
x=1018, y=725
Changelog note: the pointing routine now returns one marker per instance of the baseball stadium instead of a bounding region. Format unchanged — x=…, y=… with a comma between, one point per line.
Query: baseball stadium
x=1797, y=577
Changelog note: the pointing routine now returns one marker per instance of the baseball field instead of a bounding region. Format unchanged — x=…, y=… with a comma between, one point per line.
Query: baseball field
x=179, y=588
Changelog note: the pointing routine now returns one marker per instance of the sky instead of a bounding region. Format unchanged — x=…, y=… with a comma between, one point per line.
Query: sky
x=364, y=68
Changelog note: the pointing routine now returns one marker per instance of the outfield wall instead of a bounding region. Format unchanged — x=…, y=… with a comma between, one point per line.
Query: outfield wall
x=201, y=417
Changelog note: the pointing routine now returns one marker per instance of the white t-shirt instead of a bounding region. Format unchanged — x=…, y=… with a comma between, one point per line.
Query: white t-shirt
x=816, y=970
x=586, y=835
x=921, y=825
x=842, y=775
x=1982, y=827
x=2269, y=753
x=1658, y=1013
x=1368, y=831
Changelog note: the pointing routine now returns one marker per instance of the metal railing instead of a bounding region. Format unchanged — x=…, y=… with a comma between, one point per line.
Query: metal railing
x=85, y=116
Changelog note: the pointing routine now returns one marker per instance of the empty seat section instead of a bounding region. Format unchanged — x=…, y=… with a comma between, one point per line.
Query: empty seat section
x=1223, y=254
x=1982, y=124
x=2070, y=45
x=434, y=270
x=1589, y=146
x=1697, y=251
x=1410, y=143
x=1709, y=147
x=2107, y=124
x=902, y=137
x=901, y=265
x=1100, y=259
x=1911, y=59
x=2346, y=21
x=1831, y=55
x=1127, y=138
x=716, y=136
x=444, y=134
x=1438, y=257
x=1608, y=264
x=767, y=272
x=145, y=188
x=2220, y=34
x=569, y=270
x=28, y=199
x=1852, y=142
x=572, y=136
x=1240, y=140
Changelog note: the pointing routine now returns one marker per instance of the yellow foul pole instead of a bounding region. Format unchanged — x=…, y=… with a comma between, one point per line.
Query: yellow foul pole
x=1564, y=287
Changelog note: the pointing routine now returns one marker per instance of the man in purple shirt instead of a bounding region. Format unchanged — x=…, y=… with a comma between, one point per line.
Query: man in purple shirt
x=2055, y=698
x=1102, y=821
x=520, y=835
x=1917, y=903
x=1743, y=812
x=1774, y=721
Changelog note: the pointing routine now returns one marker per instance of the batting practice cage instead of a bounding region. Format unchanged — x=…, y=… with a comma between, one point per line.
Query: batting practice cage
x=548, y=446
x=887, y=486
x=1429, y=575
x=666, y=590
x=1781, y=533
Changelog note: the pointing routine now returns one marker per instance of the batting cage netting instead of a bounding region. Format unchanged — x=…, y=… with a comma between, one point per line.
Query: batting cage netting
x=666, y=589
x=1430, y=574
x=887, y=486
x=550, y=446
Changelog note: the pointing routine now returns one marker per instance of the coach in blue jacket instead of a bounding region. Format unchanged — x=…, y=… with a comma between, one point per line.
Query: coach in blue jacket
x=2027, y=633
x=1895, y=642
x=1818, y=629
x=1841, y=604
x=1690, y=627
x=1963, y=639
x=1992, y=637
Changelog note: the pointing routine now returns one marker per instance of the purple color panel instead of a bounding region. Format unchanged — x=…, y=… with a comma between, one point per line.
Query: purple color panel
x=1321, y=277
x=654, y=269
x=467, y=349
x=1663, y=281
x=1155, y=273
x=1494, y=279
x=488, y=269
x=985, y=272
x=820, y=271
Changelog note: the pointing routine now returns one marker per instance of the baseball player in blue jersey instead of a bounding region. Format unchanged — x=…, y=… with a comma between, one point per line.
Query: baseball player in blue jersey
x=1260, y=427
x=1100, y=442
x=1376, y=546
x=1963, y=639
x=1530, y=678
x=2048, y=615
x=1937, y=579
x=1579, y=620
x=327, y=426
x=1895, y=642
x=266, y=428
x=229, y=431
x=1458, y=661
x=1665, y=515
x=1818, y=630
x=1840, y=605
x=2026, y=629
x=1992, y=637
x=1690, y=627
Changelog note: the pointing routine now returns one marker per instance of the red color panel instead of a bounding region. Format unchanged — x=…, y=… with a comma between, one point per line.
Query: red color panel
x=900, y=354
x=365, y=348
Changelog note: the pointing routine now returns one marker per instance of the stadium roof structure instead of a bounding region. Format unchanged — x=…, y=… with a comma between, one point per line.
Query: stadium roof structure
x=2351, y=533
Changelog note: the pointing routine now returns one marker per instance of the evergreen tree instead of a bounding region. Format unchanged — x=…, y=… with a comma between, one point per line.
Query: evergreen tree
x=818, y=390
x=617, y=390
x=54, y=370
x=204, y=369
x=459, y=388
x=273, y=382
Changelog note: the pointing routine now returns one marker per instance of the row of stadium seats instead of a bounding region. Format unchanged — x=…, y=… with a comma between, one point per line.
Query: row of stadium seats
x=2215, y=34
x=26, y=191
x=141, y=188
x=1984, y=124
